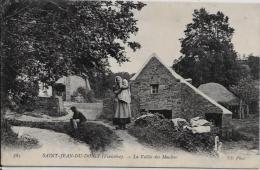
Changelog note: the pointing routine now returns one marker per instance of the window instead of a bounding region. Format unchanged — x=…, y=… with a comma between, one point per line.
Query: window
x=154, y=88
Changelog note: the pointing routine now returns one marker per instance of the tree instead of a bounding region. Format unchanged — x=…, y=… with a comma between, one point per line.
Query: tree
x=247, y=91
x=44, y=40
x=208, y=53
x=102, y=83
x=254, y=62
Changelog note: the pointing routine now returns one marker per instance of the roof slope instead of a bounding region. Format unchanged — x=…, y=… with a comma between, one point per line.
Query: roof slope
x=219, y=93
x=182, y=80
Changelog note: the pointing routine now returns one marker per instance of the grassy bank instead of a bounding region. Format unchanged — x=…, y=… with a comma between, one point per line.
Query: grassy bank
x=97, y=136
x=11, y=139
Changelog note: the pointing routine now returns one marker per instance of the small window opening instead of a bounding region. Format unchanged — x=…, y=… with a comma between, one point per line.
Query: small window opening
x=154, y=88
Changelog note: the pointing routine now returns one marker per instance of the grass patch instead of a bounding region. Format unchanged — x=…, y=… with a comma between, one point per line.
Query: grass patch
x=97, y=136
x=245, y=131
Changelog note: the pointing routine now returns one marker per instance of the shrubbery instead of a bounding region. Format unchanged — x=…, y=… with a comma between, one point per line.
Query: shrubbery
x=157, y=131
x=195, y=142
x=98, y=136
x=84, y=96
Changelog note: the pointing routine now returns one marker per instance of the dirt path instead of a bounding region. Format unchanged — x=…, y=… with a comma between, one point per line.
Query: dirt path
x=55, y=140
x=50, y=143
x=130, y=144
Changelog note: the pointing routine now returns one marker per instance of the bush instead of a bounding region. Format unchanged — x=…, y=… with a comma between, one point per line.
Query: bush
x=24, y=95
x=97, y=136
x=90, y=97
x=195, y=142
x=156, y=131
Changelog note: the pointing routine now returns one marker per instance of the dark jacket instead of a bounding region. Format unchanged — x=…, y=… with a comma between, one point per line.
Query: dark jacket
x=79, y=115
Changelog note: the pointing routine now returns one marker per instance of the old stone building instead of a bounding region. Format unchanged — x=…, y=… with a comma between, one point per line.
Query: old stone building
x=157, y=88
x=51, y=99
x=71, y=85
x=65, y=87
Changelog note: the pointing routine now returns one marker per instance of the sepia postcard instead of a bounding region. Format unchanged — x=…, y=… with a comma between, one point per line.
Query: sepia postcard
x=168, y=84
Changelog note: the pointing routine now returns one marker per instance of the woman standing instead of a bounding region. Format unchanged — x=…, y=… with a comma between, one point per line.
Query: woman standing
x=122, y=99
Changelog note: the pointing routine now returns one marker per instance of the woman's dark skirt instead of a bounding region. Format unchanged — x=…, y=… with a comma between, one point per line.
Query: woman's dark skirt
x=121, y=121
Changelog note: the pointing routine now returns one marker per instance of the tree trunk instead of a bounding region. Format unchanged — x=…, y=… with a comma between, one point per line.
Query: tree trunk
x=4, y=97
x=241, y=110
x=247, y=110
x=88, y=88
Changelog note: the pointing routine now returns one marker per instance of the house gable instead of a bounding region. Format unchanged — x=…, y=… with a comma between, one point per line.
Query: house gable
x=154, y=71
x=153, y=62
x=154, y=74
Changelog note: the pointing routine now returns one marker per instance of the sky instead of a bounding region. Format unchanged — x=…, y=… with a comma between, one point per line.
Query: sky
x=162, y=24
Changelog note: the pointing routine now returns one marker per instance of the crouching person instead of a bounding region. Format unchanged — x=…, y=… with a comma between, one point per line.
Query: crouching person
x=77, y=119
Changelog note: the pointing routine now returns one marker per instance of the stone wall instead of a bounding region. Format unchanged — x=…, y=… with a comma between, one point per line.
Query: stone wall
x=108, y=109
x=193, y=104
x=169, y=87
x=135, y=106
x=91, y=111
x=50, y=106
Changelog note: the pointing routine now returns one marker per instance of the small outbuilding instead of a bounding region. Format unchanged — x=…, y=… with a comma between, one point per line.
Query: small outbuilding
x=224, y=97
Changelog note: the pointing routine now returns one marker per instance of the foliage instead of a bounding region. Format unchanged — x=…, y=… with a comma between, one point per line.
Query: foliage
x=246, y=89
x=195, y=142
x=90, y=97
x=254, y=64
x=98, y=136
x=24, y=94
x=87, y=96
x=44, y=40
x=102, y=83
x=157, y=131
x=81, y=92
x=208, y=53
